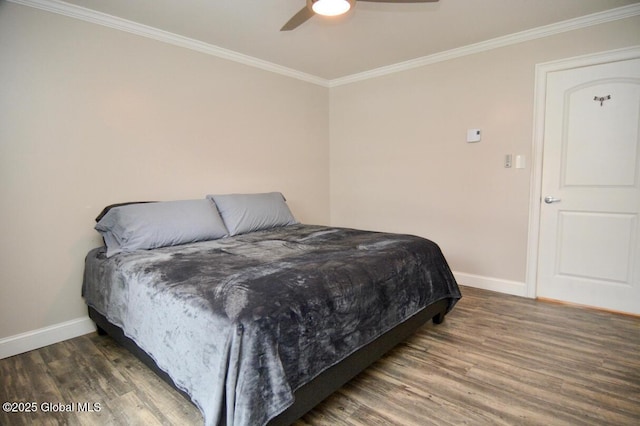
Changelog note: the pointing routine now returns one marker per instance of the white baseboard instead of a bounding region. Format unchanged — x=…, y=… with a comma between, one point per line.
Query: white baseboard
x=24, y=342
x=515, y=288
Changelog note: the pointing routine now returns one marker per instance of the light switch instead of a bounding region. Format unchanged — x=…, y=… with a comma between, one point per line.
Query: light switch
x=507, y=161
x=521, y=162
x=473, y=135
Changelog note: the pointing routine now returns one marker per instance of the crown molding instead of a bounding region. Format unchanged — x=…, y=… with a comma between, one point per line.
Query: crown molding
x=100, y=18
x=495, y=43
x=88, y=15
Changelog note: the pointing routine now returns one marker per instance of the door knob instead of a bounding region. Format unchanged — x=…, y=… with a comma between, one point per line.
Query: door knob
x=549, y=199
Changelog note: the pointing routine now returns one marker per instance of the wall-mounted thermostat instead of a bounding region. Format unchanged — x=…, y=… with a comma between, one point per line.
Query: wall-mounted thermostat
x=473, y=135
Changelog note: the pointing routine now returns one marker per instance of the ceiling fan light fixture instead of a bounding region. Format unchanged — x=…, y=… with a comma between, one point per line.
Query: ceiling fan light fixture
x=331, y=7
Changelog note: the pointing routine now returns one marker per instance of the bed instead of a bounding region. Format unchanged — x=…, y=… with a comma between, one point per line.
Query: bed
x=259, y=324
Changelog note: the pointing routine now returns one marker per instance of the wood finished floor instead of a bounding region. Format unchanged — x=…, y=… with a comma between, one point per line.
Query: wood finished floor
x=496, y=360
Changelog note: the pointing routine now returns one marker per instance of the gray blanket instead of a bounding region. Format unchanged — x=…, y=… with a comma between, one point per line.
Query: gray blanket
x=240, y=323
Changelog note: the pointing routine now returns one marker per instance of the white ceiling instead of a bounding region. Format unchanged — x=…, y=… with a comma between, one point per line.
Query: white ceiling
x=370, y=36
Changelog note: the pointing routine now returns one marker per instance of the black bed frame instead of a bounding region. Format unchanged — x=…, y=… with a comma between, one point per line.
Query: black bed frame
x=312, y=393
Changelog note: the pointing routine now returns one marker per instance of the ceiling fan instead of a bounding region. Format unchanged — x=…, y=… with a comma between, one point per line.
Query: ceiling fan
x=332, y=8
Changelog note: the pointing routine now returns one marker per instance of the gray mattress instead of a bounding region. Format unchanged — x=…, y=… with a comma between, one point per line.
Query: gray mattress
x=240, y=323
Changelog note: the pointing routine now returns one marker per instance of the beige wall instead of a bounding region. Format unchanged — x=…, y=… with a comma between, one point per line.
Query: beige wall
x=399, y=160
x=91, y=116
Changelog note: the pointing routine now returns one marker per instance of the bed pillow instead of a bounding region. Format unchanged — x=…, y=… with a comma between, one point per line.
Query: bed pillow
x=112, y=206
x=244, y=213
x=152, y=225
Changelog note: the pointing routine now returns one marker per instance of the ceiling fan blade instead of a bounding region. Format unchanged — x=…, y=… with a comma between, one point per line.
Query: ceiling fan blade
x=401, y=1
x=307, y=12
x=298, y=19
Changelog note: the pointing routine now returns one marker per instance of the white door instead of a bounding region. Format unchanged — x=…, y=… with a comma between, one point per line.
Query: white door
x=589, y=241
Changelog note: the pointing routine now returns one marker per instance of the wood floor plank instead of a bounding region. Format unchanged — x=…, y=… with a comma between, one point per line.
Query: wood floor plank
x=496, y=360
x=129, y=409
x=155, y=393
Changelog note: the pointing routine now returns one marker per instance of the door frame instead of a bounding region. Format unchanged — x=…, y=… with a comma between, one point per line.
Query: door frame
x=539, y=102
